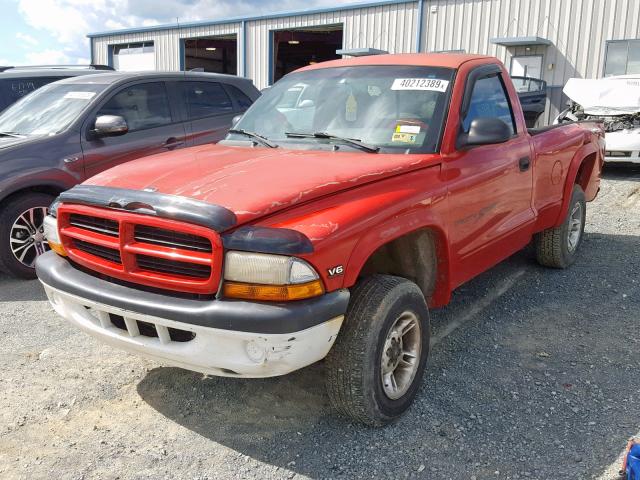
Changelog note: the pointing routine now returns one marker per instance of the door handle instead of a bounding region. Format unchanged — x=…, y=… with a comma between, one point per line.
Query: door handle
x=172, y=143
x=524, y=164
x=71, y=159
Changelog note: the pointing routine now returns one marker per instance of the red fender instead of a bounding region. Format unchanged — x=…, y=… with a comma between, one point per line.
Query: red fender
x=394, y=228
x=577, y=160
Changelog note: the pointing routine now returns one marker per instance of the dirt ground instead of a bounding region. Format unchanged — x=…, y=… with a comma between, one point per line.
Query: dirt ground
x=534, y=374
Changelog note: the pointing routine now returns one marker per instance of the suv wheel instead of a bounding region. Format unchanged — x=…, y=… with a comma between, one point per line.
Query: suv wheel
x=375, y=368
x=22, y=233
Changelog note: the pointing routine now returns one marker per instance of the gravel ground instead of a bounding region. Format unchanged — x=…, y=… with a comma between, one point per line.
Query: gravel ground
x=534, y=374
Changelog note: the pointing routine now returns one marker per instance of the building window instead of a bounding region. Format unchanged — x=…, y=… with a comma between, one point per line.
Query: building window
x=139, y=56
x=529, y=66
x=622, y=57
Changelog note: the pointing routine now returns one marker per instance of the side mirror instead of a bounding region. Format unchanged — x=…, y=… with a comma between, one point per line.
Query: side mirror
x=110, y=126
x=235, y=120
x=485, y=131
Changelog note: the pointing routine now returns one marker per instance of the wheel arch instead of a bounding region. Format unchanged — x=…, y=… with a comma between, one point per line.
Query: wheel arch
x=37, y=184
x=420, y=255
x=581, y=172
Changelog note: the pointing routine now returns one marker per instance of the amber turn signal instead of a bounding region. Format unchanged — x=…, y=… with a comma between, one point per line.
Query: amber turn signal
x=59, y=249
x=273, y=293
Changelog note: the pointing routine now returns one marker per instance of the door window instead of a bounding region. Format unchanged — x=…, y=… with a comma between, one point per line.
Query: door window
x=242, y=100
x=143, y=106
x=489, y=99
x=205, y=99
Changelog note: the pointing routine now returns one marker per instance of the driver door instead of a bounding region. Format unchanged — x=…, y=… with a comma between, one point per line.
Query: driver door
x=153, y=127
x=491, y=215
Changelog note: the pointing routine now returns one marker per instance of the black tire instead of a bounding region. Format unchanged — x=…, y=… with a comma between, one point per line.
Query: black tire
x=553, y=246
x=353, y=366
x=9, y=213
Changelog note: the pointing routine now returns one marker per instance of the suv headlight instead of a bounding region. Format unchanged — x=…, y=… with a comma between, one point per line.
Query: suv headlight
x=259, y=276
x=51, y=235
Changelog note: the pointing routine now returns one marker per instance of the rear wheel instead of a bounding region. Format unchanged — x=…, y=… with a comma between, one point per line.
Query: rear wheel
x=22, y=233
x=375, y=368
x=557, y=247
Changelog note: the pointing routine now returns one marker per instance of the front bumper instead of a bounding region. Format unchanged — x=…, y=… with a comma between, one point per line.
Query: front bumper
x=232, y=338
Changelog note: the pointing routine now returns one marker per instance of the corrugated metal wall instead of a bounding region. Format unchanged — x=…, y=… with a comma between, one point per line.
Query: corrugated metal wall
x=166, y=42
x=578, y=30
x=387, y=27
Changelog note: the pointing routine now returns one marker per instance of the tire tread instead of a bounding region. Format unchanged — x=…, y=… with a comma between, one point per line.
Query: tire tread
x=345, y=364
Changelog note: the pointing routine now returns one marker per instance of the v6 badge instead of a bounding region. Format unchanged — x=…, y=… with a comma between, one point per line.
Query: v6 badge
x=335, y=271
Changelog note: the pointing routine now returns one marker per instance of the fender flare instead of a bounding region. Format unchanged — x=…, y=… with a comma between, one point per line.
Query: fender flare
x=393, y=228
x=49, y=178
x=570, y=180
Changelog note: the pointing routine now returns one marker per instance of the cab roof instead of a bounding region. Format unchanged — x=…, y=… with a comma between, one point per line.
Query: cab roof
x=446, y=60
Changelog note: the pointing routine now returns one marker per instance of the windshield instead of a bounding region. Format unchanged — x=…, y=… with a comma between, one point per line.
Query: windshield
x=48, y=110
x=394, y=108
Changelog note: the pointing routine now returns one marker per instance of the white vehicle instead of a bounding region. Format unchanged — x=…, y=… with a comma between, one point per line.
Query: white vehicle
x=616, y=101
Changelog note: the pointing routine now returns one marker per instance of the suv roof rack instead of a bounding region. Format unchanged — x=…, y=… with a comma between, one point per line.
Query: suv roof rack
x=93, y=66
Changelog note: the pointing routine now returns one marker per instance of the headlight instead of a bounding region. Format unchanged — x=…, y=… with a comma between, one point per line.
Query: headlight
x=51, y=234
x=53, y=208
x=259, y=276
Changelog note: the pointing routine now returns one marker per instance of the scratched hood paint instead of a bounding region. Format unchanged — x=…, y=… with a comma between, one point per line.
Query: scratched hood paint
x=254, y=182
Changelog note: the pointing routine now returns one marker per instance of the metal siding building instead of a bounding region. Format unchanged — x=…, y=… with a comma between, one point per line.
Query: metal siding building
x=569, y=36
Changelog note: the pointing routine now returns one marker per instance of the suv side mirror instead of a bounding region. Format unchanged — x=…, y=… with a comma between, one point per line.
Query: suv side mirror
x=235, y=120
x=110, y=126
x=485, y=131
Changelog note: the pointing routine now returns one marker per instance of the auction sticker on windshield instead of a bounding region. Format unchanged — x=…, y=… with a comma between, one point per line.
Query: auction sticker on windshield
x=80, y=95
x=431, y=84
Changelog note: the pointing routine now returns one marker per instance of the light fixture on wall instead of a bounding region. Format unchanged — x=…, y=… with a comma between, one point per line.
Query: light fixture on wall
x=293, y=41
x=211, y=49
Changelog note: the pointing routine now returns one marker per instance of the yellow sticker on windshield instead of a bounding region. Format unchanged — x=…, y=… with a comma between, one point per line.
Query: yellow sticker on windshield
x=401, y=128
x=404, y=137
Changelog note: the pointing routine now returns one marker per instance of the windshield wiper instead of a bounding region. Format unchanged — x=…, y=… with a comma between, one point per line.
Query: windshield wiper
x=257, y=137
x=11, y=134
x=351, y=141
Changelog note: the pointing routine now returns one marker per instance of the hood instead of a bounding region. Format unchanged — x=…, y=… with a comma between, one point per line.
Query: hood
x=254, y=182
x=606, y=96
x=6, y=142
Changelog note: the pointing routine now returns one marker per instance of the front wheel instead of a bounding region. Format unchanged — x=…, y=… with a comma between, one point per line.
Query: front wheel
x=22, y=233
x=375, y=368
x=557, y=247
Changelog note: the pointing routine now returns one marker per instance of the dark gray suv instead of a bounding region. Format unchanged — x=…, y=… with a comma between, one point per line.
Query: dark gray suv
x=70, y=130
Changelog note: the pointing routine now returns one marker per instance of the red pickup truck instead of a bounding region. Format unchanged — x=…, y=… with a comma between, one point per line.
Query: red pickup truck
x=350, y=198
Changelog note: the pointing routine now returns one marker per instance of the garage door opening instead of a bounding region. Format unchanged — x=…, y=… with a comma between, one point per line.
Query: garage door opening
x=212, y=54
x=297, y=48
x=134, y=57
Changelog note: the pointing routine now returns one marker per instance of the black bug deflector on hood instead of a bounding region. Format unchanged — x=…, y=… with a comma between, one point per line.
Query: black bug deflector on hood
x=156, y=204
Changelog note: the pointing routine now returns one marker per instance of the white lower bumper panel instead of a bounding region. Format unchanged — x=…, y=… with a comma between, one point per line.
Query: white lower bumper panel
x=193, y=347
x=623, y=157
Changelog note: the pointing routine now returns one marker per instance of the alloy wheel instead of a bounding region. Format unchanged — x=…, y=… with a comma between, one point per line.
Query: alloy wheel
x=401, y=355
x=26, y=239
